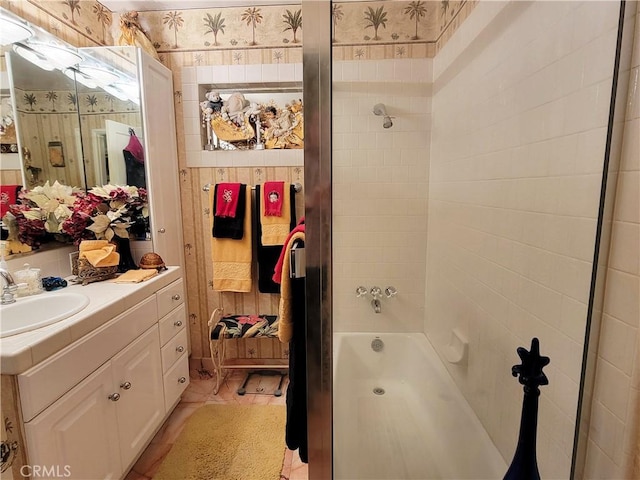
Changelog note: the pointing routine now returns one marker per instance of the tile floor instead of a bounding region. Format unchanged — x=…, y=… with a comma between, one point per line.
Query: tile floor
x=197, y=394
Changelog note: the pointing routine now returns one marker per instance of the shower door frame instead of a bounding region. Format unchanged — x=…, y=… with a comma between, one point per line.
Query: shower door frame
x=317, y=79
x=317, y=95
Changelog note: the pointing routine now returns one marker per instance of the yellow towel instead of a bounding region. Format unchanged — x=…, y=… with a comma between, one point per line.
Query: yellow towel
x=99, y=253
x=232, y=258
x=136, y=276
x=275, y=230
x=285, y=322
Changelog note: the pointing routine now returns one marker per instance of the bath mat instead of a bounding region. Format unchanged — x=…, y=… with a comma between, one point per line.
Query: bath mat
x=228, y=442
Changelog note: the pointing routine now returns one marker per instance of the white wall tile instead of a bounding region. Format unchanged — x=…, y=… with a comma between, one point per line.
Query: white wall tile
x=220, y=74
x=204, y=74
x=517, y=149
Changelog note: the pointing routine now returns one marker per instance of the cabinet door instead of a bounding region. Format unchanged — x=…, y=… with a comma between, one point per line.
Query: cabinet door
x=161, y=159
x=137, y=372
x=77, y=437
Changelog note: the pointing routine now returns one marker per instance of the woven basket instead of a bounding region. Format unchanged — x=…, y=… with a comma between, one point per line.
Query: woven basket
x=87, y=273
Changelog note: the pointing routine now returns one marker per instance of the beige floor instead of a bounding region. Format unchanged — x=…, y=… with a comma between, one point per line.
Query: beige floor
x=196, y=395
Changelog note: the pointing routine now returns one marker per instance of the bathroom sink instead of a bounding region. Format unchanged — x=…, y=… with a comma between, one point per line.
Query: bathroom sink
x=29, y=313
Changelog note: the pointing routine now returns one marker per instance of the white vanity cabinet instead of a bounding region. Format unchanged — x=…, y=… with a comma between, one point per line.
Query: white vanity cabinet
x=98, y=426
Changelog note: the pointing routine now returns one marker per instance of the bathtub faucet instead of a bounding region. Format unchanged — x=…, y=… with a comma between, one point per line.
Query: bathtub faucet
x=375, y=303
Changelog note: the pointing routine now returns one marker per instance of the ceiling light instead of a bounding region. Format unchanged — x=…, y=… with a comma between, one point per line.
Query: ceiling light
x=32, y=56
x=12, y=31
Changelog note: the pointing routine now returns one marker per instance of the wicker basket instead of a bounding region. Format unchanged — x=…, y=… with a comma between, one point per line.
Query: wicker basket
x=87, y=273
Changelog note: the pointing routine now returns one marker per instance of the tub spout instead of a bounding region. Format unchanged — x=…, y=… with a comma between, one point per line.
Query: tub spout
x=375, y=303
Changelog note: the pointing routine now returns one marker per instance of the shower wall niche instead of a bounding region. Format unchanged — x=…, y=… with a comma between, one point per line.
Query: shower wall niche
x=243, y=115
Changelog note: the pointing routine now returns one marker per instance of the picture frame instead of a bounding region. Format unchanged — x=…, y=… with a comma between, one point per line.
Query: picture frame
x=56, y=154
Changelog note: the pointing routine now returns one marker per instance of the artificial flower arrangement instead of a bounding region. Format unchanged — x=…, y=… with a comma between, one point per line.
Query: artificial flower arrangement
x=71, y=215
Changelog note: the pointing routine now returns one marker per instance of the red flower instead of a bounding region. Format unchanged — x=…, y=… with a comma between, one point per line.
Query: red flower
x=251, y=320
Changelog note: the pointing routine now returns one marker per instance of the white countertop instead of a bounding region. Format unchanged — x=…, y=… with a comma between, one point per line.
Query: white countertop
x=107, y=300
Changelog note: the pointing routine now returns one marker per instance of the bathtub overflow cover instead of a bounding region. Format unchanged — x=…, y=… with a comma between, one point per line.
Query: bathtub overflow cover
x=378, y=391
x=377, y=345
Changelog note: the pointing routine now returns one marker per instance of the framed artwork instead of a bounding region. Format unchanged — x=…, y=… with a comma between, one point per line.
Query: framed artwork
x=56, y=154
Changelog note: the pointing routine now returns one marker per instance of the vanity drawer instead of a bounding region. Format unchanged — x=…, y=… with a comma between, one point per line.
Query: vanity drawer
x=170, y=297
x=175, y=381
x=174, y=349
x=41, y=385
x=172, y=324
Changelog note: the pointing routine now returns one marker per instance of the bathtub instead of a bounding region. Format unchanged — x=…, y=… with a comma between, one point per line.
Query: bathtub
x=397, y=414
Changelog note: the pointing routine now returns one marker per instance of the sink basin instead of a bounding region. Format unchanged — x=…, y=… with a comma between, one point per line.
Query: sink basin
x=29, y=313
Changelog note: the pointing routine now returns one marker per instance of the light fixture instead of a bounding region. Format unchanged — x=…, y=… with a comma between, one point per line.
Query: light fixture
x=12, y=31
x=81, y=78
x=116, y=92
x=131, y=91
x=100, y=75
x=58, y=55
x=32, y=56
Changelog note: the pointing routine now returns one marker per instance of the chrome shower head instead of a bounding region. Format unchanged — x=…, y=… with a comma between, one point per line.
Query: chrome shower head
x=379, y=109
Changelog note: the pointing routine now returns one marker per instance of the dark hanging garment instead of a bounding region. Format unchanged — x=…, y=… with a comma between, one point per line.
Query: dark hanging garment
x=134, y=170
x=268, y=255
x=134, y=162
x=296, y=428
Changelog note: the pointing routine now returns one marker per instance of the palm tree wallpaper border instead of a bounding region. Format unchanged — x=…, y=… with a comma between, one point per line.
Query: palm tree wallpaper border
x=355, y=24
x=361, y=30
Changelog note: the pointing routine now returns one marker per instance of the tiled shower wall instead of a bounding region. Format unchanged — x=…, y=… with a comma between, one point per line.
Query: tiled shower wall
x=520, y=101
x=380, y=179
x=614, y=447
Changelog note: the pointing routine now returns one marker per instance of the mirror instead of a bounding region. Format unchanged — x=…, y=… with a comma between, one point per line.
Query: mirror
x=72, y=108
x=76, y=111
x=110, y=118
x=47, y=124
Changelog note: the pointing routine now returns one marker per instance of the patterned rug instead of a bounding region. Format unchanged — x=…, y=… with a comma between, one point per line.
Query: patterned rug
x=228, y=442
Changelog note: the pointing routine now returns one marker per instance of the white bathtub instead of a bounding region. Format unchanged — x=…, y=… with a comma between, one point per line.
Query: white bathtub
x=420, y=428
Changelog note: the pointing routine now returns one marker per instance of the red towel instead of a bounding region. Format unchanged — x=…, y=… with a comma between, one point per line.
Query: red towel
x=227, y=199
x=277, y=271
x=134, y=147
x=8, y=196
x=273, y=194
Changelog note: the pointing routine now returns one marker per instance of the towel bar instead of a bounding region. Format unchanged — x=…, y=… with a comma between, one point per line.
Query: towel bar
x=296, y=186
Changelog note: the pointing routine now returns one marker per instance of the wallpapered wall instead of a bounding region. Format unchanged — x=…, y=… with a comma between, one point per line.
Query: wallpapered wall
x=248, y=35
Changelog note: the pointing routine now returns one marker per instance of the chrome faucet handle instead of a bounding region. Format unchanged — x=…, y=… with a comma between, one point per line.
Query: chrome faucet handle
x=390, y=291
x=376, y=292
x=8, y=294
x=361, y=291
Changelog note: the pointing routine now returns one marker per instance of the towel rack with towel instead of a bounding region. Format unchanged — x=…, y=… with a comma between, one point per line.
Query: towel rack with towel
x=297, y=187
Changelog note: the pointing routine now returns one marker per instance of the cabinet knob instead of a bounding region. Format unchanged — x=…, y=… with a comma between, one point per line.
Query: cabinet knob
x=176, y=297
x=178, y=323
x=182, y=380
x=125, y=385
x=179, y=349
x=114, y=397
x=162, y=230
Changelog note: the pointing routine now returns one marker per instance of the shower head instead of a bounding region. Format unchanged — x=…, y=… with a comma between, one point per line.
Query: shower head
x=380, y=110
